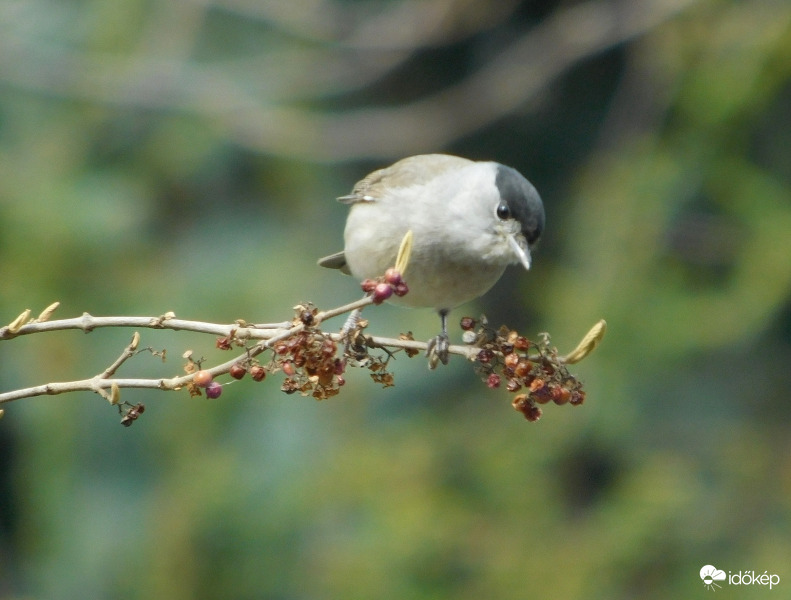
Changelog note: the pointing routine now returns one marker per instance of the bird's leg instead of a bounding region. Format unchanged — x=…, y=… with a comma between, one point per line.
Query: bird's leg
x=437, y=349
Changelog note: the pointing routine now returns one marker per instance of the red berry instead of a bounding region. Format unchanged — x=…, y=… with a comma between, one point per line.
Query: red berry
x=522, y=368
x=485, y=356
x=537, y=384
x=237, y=371
x=521, y=343
x=288, y=368
x=511, y=360
x=257, y=372
x=382, y=292
x=560, y=395
x=393, y=277
x=493, y=381
x=532, y=413
x=202, y=378
x=368, y=285
x=213, y=390
x=467, y=323
x=401, y=289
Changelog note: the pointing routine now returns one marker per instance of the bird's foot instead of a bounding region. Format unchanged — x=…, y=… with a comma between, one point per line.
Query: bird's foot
x=437, y=350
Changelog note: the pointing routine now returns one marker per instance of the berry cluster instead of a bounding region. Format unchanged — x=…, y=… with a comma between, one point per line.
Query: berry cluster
x=204, y=379
x=382, y=288
x=535, y=378
x=309, y=362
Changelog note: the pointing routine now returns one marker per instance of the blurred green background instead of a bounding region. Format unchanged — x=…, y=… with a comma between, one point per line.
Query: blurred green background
x=183, y=155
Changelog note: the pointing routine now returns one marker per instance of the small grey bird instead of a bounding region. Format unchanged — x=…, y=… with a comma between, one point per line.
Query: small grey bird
x=469, y=220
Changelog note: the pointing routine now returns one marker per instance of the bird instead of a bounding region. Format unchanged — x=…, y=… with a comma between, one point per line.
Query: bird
x=469, y=220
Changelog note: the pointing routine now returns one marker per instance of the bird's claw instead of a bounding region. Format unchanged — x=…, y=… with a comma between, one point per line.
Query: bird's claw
x=437, y=350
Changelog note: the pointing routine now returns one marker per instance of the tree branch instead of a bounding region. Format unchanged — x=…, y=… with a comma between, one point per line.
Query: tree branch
x=310, y=358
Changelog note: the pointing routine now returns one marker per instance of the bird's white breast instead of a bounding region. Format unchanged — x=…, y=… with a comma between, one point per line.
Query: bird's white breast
x=456, y=253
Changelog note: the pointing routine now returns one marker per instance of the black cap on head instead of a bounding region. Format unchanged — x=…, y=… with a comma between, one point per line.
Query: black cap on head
x=524, y=203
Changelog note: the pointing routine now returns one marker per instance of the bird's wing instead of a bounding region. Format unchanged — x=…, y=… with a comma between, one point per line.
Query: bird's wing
x=335, y=261
x=412, y=171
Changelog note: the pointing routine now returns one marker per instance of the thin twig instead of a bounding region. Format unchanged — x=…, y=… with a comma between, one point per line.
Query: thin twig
x=268, y=335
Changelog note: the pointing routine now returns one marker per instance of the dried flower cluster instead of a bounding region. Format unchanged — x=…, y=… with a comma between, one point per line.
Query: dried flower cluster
x=314, y=363
x=311, y=360
x=532, y=371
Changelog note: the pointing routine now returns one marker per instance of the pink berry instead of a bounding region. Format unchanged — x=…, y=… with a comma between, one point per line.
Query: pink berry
x=401, y=289
x=202, y=378
x=382, y=292
x=368, y=285
x=213, y=390
x=493, y=381
x=393, y=277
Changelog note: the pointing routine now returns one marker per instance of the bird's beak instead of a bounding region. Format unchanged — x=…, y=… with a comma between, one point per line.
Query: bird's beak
x=521, y=251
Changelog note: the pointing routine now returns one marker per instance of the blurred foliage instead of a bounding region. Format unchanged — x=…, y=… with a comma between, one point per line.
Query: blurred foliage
x=183, y=155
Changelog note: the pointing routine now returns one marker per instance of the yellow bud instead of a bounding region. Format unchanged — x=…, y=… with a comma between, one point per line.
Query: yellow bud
x=15, y=325
x=588, y=343
x=402, y=259
x=115, y=394
x=47, y=312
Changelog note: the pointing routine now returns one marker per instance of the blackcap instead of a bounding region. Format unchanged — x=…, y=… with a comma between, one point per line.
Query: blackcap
x=469, y=220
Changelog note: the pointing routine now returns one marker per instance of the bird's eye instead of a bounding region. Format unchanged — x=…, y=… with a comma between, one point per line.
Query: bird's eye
x=503, y=212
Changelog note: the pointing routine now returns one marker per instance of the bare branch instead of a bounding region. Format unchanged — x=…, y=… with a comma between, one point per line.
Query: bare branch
x=309, y=356
x=277, y=122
